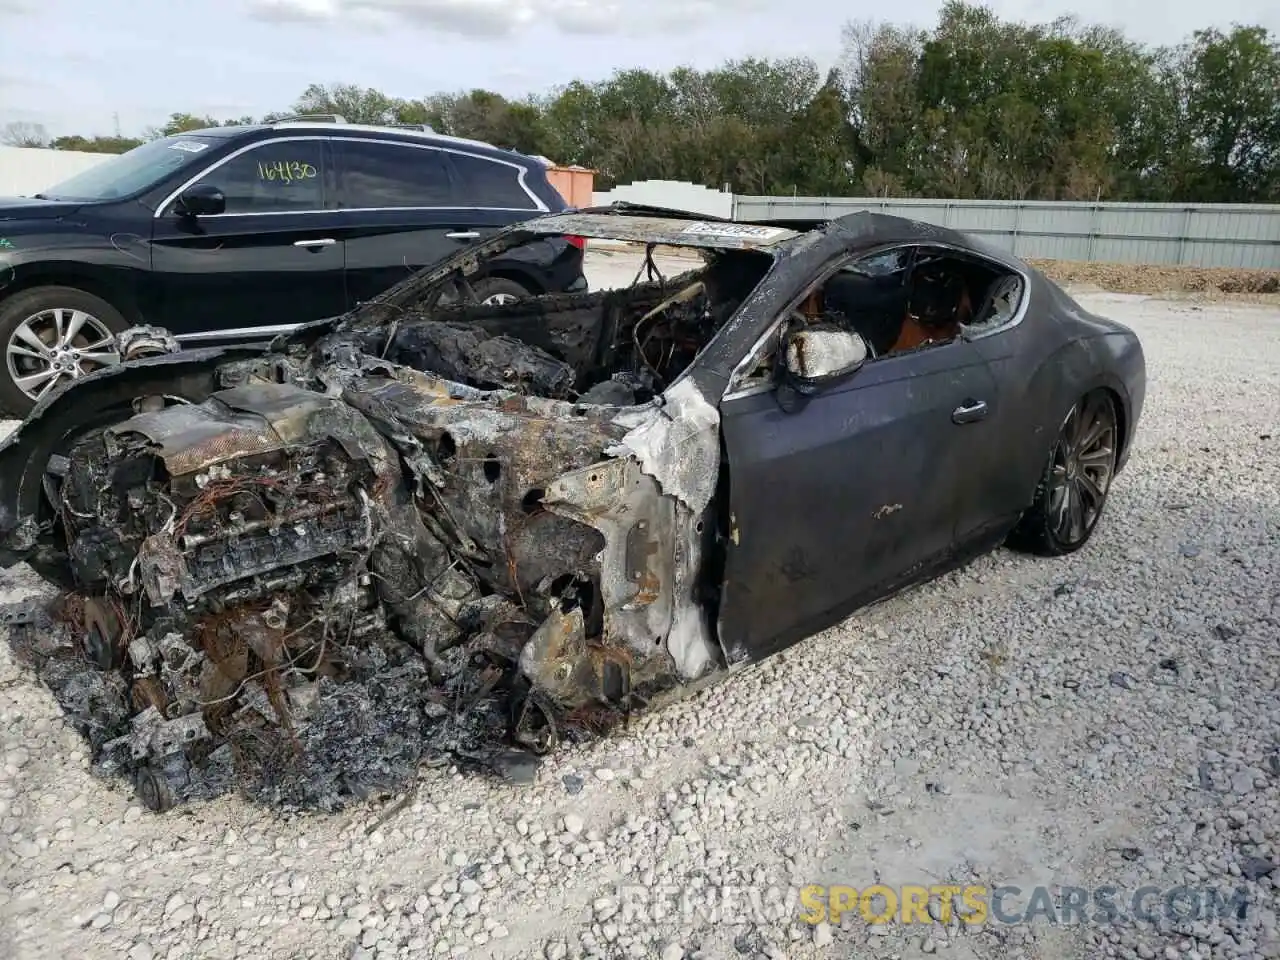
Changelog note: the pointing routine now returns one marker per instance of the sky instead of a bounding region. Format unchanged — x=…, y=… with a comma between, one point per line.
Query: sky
x=82, y=66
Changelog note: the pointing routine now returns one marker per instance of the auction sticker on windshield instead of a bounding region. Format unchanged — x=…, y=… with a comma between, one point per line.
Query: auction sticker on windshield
x=188, y=146
x=746, y=231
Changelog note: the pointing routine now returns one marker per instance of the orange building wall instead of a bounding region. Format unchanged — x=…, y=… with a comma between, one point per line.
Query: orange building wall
x=575, y=184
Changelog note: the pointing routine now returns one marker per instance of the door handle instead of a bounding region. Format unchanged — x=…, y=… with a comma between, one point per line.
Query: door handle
x=463, y=235
x=325, y=242
x=969, y=411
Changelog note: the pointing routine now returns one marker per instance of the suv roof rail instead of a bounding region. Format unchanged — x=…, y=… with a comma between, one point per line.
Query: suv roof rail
x=315, y=118
x=423, y=127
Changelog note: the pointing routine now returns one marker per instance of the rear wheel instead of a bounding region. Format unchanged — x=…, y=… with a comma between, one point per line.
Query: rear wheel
x=492, y=291
x=53, y=335
x=1077, y=478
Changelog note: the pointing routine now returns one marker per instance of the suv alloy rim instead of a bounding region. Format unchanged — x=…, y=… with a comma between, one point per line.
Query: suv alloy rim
x=57, y=344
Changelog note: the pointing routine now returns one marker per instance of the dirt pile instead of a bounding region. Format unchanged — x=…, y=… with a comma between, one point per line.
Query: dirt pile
x=1161, y=279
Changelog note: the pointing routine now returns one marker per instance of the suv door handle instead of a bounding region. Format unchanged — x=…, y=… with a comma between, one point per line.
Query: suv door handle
x=969, y=412
x=325, y=242
x=463, y=235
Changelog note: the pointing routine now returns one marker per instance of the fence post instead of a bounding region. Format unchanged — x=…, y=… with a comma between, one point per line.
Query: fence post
x=1017, y=225
x=1183, y=238
x=1093, y=232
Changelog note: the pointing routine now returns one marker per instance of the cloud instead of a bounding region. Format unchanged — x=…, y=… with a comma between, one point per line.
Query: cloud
x=315, y=12
x=501, y=18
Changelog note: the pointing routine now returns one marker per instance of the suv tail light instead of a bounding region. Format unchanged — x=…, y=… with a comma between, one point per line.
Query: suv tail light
x=579, y=242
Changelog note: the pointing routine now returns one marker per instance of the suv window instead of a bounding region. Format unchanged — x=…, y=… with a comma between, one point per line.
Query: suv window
x=281, y=176
x=378, y=175
x=141, y=168
x=486, y=183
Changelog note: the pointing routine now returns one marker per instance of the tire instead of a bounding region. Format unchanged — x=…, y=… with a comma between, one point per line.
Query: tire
x=498, y=290
x=39, y=356
x=1073, y=488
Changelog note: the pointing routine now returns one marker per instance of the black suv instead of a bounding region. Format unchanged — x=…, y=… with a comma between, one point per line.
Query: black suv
x=240, y=233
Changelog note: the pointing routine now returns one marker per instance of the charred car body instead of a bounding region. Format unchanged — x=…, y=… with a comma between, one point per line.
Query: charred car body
x=434, y=527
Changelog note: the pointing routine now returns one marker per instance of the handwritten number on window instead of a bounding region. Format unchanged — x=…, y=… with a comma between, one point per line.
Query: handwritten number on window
x=285, y=171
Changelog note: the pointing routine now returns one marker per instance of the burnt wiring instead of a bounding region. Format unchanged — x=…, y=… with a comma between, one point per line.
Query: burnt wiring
x=683, y=297
x=650, y=269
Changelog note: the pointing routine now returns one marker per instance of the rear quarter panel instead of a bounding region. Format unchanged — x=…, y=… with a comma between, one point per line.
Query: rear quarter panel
x=1043, y=366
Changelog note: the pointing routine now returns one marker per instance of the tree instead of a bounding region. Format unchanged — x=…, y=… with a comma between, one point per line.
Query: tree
x=96, y=144
x=21, y=134
x=973, y=106
x=1232, y=96
x=355, y=104
x=879, y=67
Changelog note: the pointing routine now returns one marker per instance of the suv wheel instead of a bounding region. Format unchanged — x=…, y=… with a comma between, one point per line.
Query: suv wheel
x=492, y=291
x=52, y=335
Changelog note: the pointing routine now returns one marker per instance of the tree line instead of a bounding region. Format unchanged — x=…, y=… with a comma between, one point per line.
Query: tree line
x=973, y=107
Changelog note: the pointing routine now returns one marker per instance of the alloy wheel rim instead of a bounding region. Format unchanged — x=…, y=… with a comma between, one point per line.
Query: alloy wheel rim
x=1083, y=464
x=499, y=299
x=56, y=345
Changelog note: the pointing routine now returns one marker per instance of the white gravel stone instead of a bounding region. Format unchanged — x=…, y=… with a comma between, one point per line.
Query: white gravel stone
x=350, y=928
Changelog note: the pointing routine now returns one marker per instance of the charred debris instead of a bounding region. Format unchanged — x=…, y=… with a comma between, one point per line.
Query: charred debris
x=441, y=533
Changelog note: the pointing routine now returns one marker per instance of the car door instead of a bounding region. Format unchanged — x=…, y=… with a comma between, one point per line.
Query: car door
x=404, y=206
x=270, y=261
x=850, y=493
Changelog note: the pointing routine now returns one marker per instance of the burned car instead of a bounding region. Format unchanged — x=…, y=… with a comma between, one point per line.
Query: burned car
x=435, y=530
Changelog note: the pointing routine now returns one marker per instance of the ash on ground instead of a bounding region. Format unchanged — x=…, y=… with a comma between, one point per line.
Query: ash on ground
x=336, y=741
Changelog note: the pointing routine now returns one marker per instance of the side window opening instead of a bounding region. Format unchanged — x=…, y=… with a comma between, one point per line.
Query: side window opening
x=1003, y=298
x=902, y=300
x=284, y=176
x=867, y=294
x=924, y=298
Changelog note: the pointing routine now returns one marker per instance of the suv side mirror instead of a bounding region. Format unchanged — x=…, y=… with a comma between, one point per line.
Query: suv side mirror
x=201, y=200
x=819, y=354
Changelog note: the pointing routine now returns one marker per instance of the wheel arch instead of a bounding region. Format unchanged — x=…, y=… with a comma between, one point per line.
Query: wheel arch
x=1122, y=421
x=101, y=283
x=526, y=278
x=68, y=412
x=1074, y=370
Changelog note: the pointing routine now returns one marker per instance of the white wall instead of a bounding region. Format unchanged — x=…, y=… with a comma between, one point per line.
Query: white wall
x=671, y=193
x=28, y=170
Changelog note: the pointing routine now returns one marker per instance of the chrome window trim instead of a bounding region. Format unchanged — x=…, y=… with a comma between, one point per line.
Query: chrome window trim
x=433, y=138
x=164, y=208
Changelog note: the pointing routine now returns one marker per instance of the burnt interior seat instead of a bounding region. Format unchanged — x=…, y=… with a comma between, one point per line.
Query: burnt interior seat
x=875, y=306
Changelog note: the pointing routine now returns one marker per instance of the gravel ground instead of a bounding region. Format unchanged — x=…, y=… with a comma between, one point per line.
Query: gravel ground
x=1109, y=718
